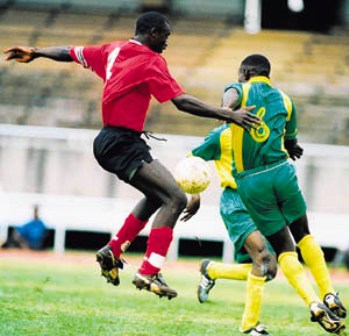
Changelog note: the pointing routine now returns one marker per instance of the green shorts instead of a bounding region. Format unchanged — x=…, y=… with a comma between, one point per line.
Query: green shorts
x=272, y=196
x=238, y=223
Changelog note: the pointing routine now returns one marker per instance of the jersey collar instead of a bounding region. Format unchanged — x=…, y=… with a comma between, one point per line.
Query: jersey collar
x=257, y=79
x=134, y=41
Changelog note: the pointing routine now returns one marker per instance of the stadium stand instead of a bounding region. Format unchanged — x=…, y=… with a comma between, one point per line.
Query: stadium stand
x=128, y=6
x=219, y=9
x=203, y=55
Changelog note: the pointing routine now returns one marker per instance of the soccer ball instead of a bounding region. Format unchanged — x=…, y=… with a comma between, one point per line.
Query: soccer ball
x=192, y=175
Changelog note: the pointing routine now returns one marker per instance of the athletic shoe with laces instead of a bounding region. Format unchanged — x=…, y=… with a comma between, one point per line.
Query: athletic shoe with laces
x=258, y=330
x=333, y=302
x=109, y=264
x=324, y=316
x=155, y=284
x=206, y=283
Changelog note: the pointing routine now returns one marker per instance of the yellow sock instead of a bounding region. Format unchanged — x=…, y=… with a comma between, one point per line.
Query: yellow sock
x=228, y=271
x=295, y=274
x=253, y=301
x=314, y=258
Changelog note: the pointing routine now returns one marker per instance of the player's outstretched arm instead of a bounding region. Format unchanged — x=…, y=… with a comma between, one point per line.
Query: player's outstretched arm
x=27, y=54
x=195, y=106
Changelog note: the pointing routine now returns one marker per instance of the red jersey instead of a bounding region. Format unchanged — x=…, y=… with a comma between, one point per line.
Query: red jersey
x=132, y=73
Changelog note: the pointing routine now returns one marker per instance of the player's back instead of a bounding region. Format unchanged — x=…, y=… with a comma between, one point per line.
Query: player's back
x=263, y=146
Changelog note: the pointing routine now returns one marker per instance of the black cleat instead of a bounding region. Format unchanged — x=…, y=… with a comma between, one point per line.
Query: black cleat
x=109, y=265
x=155, y=284
x=333, y=302
x=328, y=320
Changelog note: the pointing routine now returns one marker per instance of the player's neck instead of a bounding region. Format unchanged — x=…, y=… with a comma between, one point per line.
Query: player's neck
x=140, y=39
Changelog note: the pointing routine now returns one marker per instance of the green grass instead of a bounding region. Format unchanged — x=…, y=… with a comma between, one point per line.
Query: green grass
x=51, y=297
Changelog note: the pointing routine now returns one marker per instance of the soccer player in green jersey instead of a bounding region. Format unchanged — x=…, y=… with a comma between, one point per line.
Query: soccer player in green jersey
x=251, y=251
x=268, y=186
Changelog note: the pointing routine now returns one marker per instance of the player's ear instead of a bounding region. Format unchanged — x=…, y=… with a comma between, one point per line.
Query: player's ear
x=153, y=32
x=243, y=74
x=246, y=73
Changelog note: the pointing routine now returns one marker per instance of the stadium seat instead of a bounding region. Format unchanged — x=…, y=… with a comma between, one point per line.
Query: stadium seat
x=203, y=55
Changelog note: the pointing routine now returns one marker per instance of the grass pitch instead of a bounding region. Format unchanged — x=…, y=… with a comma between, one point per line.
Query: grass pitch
x=45, y=295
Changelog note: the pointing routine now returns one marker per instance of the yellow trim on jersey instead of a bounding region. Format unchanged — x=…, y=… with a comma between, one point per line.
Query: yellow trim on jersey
x=259, y=79
x=288, y=105
x=238, y=132
x=224, y=164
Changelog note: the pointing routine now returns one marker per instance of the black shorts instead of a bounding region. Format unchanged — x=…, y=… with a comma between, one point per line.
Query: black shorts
x=121, y=151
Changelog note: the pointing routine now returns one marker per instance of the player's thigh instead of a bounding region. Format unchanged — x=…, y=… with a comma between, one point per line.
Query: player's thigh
x=156, y=181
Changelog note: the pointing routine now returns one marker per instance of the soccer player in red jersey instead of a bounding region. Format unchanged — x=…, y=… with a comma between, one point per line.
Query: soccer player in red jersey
x=132, y=72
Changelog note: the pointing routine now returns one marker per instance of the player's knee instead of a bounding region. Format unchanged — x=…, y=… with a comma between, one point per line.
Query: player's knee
x=272, y=271
x=179, y=200
x=267, y=265
x=272, y=267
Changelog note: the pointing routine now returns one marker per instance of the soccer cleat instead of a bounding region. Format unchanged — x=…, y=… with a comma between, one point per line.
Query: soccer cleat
x=109, y=265
x=258, y=330
x=332, y=302
x=155, y=284
x=206, y=283
x=328, y=320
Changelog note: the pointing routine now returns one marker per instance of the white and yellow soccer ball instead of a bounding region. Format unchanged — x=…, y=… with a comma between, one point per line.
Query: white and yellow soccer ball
x=192, y=174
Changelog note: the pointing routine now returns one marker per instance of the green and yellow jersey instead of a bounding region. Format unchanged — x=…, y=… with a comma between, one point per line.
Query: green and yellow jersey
x=265, y=145
x=217, y=147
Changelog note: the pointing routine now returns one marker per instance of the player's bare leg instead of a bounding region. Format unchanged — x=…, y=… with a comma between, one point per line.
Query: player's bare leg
x=157, y=184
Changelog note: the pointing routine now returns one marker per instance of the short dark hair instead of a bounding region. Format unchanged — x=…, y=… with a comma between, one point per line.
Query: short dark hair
x=257, y=64
x=149, y=20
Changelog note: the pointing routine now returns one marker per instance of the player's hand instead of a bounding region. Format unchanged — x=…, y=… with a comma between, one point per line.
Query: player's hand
x=192, y=207
x=294, y=150
x=20, y=54
x=242, y=117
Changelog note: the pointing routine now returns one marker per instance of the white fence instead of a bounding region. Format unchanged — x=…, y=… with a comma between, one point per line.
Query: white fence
x=56, y=169
x=64, y=213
